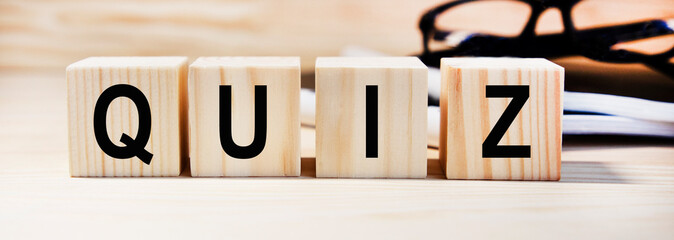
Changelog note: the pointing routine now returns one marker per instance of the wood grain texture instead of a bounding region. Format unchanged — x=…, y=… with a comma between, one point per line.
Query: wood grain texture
x=163, y=82
x=610, y=188
x=340, y=117
x=468, y=116
x=52, y=34
x=281, y=153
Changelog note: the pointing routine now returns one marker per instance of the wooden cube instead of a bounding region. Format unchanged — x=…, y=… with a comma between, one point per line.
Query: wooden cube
x=232, y=145
x=159, y=83
x=371, y=117
x=501, y=118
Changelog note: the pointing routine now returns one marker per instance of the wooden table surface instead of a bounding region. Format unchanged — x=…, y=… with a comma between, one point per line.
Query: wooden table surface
x=610, y=188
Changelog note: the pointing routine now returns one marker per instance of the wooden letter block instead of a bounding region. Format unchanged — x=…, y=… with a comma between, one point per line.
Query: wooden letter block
x=501, y=118
x=127, y=116
x=244, y=116
x=371, y=117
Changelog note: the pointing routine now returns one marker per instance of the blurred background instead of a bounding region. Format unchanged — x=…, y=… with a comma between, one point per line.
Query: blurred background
x=618, y=187
x=50, y=34
x=39, y=38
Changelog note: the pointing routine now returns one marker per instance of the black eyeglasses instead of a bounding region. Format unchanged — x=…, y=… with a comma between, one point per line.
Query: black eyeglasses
x=594, y=43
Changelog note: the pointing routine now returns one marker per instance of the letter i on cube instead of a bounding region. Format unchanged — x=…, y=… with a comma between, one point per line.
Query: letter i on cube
x=371, y=117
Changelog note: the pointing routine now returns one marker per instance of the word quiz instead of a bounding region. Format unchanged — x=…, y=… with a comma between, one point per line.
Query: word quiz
x=240, y=116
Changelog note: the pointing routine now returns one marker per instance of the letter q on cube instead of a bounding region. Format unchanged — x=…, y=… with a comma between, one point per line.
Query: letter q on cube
x=157, y=82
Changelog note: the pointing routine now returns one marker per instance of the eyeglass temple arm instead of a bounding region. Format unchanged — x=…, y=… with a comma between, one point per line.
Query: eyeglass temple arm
x=630, y=32
x=659, y=62
x=627, y=33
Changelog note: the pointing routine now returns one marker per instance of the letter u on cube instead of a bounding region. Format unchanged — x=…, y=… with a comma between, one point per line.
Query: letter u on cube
x=228, y=135
x=500, y=117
